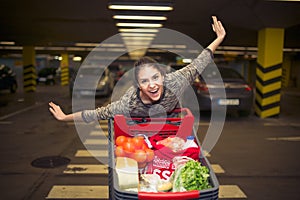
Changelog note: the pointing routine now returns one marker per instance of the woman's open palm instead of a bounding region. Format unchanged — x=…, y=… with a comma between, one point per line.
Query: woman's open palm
x=56, y=111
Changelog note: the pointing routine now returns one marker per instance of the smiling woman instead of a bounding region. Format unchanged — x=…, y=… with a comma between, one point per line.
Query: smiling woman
x=155, y=92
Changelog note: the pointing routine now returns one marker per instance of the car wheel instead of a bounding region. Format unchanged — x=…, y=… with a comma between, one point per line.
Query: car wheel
x=13, y=88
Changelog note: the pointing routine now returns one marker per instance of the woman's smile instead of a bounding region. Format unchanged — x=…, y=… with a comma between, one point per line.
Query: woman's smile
x=151, y=84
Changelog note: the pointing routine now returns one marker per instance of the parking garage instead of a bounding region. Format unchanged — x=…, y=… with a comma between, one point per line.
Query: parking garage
x=254, y=157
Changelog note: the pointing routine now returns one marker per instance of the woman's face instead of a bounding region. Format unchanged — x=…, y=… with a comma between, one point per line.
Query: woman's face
x=150, y=81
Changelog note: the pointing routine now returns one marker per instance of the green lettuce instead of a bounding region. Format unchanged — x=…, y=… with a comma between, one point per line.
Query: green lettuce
x=191, y=176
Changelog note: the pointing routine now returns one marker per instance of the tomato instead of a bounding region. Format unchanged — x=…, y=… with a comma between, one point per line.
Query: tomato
x=120, y=140
x=142, y=165
x=150, y=155
x=140, y=156
x=145, y=146
x=138, y=142
x=128, y=147
x=119, y=151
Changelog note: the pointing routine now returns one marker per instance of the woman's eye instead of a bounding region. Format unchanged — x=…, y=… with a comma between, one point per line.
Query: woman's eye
x=155, y=78
x=143, y=81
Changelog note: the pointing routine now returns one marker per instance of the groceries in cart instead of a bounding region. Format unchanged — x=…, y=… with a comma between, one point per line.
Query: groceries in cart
x=172, y=165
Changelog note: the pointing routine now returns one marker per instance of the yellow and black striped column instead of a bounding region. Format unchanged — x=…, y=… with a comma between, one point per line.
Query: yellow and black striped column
x=268, y=72
x=64, y=65
x=29, y=71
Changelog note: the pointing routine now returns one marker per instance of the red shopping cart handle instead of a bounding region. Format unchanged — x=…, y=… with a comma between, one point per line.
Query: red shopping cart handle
x=169, y=195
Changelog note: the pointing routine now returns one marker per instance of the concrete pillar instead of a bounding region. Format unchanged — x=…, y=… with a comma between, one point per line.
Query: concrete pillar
x=64, y=65
x=268, y=72
x=29, y=70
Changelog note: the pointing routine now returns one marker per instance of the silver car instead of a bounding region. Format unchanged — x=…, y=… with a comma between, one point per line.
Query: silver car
x=92, y=81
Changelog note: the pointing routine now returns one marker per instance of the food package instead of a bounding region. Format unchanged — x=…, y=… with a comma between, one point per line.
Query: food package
x=162, y=163
x=127, y=171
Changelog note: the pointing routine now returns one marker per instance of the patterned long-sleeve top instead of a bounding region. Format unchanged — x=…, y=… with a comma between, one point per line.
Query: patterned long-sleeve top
x=131, y=105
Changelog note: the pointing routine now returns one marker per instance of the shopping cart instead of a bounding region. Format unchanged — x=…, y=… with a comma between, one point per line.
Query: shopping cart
x=181, y=125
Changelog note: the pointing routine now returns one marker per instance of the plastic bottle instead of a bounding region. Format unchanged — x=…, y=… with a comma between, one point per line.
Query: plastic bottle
x=190, y=142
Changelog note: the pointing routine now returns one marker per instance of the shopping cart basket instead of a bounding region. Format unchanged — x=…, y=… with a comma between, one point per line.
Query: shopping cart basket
x=182, y=126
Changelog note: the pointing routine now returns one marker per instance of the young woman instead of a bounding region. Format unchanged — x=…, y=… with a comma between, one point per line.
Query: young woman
x=155, y=92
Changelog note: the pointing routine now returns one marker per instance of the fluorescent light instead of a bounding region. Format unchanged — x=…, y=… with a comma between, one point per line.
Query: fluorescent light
x=75, y=49
x=7, y=42
x=111, y=45
x=141, y=17
x=138, y=30
x=77, y=58
x=135, y=7
x=139, y=25
x=137, y=38
x=137, y=43
x=86, y=44
x=138, y=34
x=186, y=60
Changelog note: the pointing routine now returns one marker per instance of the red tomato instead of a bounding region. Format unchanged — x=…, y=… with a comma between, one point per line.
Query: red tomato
x=138, y=142
x=145, y=146
x=150, y=155
x=128, y=147
x=142, y=164
x=140, y=156
x=119, y=151
x=120, y=140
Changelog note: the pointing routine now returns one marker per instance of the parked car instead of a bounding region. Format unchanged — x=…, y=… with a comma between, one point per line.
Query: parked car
x=88, y=82
x=239, y=94
x=116, y=71
x=47, y=76
x=8, y=79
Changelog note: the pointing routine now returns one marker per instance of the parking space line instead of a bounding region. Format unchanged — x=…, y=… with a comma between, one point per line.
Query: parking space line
x=217, y=169
x=293, y=139
x=97, y=133
x=231, y=191
x=91, y=153
x=96, y=142
x=86, y=169
x=78, y=192
x=21, y=111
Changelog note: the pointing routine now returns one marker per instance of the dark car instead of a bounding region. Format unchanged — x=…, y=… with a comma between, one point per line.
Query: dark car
x=47, y=76
x=239, y=94
x=92, y=81
x=8, y=79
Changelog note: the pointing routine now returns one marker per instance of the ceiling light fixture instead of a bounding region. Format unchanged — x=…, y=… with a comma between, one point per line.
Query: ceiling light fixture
x=140, y=7
x=7, y=43
x=139, y=17
x=137, y=38
x=138, y=30
x=148, y=25
x=138, y=34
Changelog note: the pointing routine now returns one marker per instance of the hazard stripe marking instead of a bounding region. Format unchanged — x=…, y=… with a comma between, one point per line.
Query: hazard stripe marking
x=86, y=169
x=78, y=192
x=231, y=191
x=269, y=75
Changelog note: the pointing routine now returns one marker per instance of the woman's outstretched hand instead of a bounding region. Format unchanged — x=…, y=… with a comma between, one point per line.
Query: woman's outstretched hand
x=218, y=28
x=220, y=32
x=57, y=112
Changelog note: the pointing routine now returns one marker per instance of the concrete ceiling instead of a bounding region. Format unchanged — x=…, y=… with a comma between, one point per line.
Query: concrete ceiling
x=64, y=22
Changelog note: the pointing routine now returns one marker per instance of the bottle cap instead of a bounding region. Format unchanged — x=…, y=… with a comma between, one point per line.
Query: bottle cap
x=191, y=137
